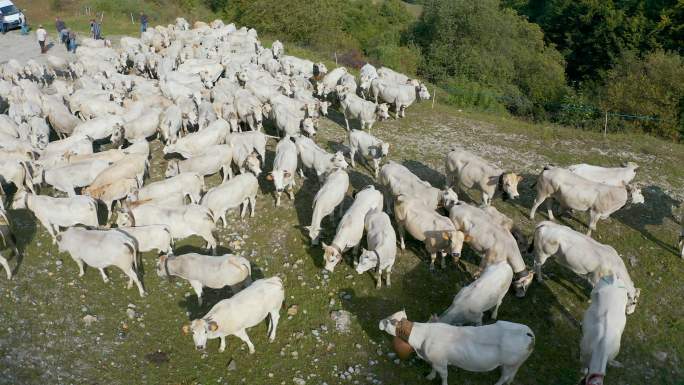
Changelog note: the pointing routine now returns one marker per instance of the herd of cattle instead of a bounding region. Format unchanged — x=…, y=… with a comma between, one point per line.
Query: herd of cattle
x=205, y=92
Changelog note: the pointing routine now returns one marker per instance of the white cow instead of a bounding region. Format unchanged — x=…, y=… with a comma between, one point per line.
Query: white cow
x=369, y=147
x=366, y=112
x=401, y=95
x=350, y=229
x=487, y=292
x=397, y=180
x=577, y=193
x=150, y=237
x=616, y=176
x=197, y=142
x=54, y=213
x=240, y=190
x=216, y=158
x=382, y=247
x=189, y=184
x=71, y=176
x=466, y=169
x=244, y=310
x=318, y=159
x=101, y=249
x=206, y=271
x=284, y=168
x=602, y=327
x=330, y=196
x=581, y=254
x=476, y=349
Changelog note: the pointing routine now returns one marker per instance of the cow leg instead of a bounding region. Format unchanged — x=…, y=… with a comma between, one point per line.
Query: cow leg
x=79, y=262
x=242, y=334
x=3, y=263
x=275, y=317
x=356, y=255
x=224, y=222
x=508, y=374
x=197, y=286
x=495, y=312
x=134, y=278
x=401, y=237
x=433, y=257
x=378, y=278
x=290, y=191
x=486, y=199
x=277, y=198
x=104, y=275
x=346, y=122
x=549, y=209
x=443, y=255
x=593, y=220
x=227, y=173
x=243, y=211
x=388, y=272
x=222, y=348
x=252, y=206
x=537, y=202
x=352, y=155
x=397, y=110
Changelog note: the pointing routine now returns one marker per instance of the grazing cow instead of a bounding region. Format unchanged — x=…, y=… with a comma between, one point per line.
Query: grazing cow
x=616, y=176
x=245, y=144
x=476, y=349
x=54, y=213
x=397, y=180
x=101, y=249
x=330, y=80
x=111, y=193
x=244, y=310
x=581, y=254
x=369, y=147
x=366, y=112
x=7, y=242
x=189, y=184
x=330, y=195
x=71, y=176
x=602, y=327
x=494, y=242
x=150, y=237
x=469, y=170
x=240, y=190
x=206, y=271
x=577, y=193
x=133, y=166
x=401, y=95
x=216, y=158
x=382, y=247
x=350, y=229
x=487, y=292
x=367, y=74
x=316, y=158
x=196, y=143
x=284, y=168
x=424, y=224
x=182, y=221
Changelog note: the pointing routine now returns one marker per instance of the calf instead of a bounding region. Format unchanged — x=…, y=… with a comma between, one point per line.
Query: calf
x=244, y=310
x=476, y=349
x=369, y=147
x=469, y=170
x=216, y=158
x=150, y=237
x=54, y=213
x=206, y=271
x=284, y=168
x=602, y=327
x=437, y=232
x=240, y=190
x=577, y=193
x=366, y=112
x=581, y=254
x=182, y=221
x=382, y=246
x=616, y=176
x=330, y=195
x=7, y=241
x=101, y=249
x=350, y=229
x=487, y=292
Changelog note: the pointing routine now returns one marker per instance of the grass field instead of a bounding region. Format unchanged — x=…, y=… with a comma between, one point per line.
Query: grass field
x=44, y=340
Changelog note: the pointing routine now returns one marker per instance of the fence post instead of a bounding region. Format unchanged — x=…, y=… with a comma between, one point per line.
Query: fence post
x=605, y=125
x=336, y=58
x=132, y=22
x=434, y=96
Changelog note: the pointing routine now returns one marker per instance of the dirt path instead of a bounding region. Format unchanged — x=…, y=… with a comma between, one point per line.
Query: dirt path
x=14, y=45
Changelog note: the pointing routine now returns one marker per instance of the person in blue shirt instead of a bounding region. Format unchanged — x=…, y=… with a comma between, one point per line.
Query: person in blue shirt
x=143, y=22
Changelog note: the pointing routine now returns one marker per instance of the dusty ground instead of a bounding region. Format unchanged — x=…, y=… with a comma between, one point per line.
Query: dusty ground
x=14, y=45
x=44, y=339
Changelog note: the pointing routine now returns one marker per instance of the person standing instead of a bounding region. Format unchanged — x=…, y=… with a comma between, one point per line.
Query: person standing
x=96, y=29
x=41, y=34
x=71, y=45
x=61, y=29
x=143, y=22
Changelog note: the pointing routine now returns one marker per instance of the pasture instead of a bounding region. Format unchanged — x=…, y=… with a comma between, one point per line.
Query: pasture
x=43, y=338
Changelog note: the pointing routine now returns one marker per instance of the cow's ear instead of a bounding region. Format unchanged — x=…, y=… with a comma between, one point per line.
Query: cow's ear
x=186, y=329
x=520, y=178
x=269, y=176
x=213, y=326
x=467, y=238
x=445, y=235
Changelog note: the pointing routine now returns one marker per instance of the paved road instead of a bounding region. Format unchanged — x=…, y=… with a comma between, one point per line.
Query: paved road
x=14, y=45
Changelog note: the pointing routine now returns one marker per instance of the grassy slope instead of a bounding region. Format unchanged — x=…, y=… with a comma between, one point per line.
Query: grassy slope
x=43, y=339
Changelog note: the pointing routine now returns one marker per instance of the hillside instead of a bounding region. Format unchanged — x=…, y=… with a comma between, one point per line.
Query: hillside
x=44, y=339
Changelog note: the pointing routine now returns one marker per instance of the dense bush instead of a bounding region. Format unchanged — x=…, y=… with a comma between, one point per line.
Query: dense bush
x=478, y=41
x=651, y=89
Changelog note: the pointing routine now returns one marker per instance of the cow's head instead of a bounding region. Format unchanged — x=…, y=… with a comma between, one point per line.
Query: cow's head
x=314, y=232
x=201, y=331
x=308, y=127
x=117, y=135
x=521, y=282
x=636, y=194
x=162, y=271
x=124, y=219
x=253, y=163
x=278, y=177
x=423, y=92
x=332, y=255
x=338, y=160
x=384, y=149
x=448, y=198
x=382, y=111
x=456, y=239
x=367, y=260
x=323, y=107
x=258, y=112
x=172, y=169
x=509, y=184
x=389, y=324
